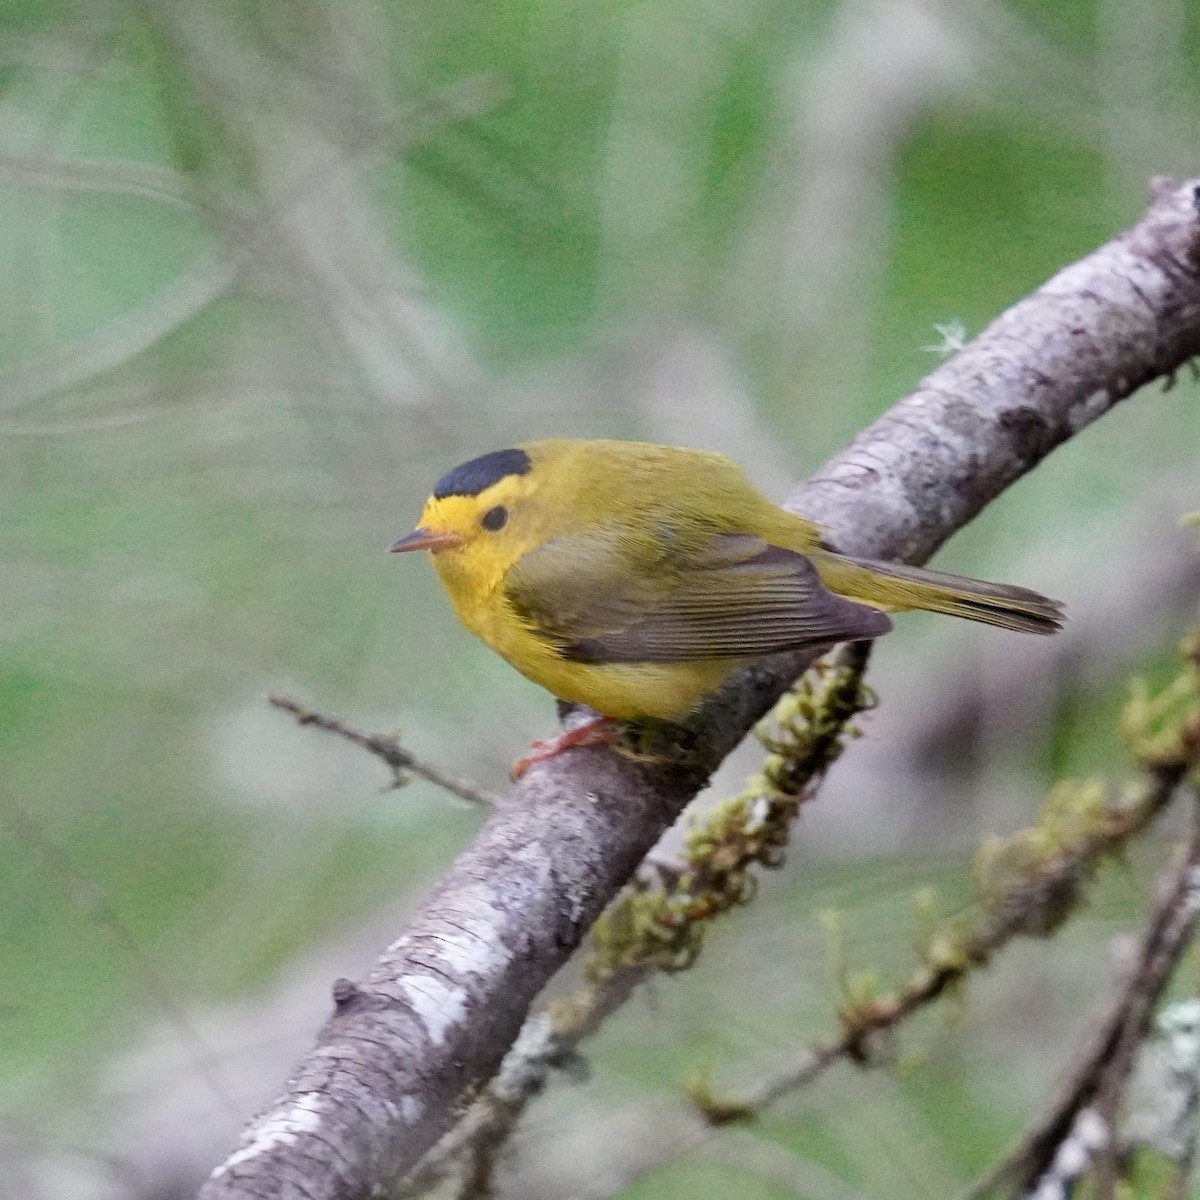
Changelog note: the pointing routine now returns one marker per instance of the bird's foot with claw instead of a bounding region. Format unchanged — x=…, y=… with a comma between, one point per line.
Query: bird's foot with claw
x=598, y=731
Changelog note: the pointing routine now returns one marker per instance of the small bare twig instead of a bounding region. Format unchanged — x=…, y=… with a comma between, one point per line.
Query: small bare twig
x=402, y=763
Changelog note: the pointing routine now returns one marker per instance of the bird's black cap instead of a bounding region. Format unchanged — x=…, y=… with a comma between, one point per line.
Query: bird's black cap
x=472, y=477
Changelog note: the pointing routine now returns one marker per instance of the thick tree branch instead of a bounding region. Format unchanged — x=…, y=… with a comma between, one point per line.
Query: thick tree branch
x=406, y=1048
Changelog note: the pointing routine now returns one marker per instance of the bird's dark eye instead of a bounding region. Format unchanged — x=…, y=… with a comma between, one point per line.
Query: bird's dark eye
x=494, y=518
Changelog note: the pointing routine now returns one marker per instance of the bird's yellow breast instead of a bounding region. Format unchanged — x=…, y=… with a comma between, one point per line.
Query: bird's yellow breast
x=623, y=690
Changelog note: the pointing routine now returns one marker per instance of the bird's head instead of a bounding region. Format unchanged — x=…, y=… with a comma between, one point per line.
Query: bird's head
x=480, y=519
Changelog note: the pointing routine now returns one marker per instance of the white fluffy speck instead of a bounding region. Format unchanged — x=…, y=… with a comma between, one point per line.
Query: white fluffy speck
x=280, y=1129
x=410, y=1108
x=760, y=809
x=435, y=1003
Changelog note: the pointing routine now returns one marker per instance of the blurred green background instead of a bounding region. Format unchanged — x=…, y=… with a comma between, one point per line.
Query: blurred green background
x=271, y=269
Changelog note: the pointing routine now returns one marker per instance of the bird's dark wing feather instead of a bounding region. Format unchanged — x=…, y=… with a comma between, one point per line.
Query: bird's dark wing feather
x=733, y=596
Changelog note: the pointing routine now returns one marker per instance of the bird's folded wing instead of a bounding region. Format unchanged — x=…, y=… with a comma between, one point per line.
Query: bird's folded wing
x=599, y=599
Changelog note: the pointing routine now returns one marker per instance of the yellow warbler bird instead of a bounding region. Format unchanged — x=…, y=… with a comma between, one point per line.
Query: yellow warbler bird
x=634, y=578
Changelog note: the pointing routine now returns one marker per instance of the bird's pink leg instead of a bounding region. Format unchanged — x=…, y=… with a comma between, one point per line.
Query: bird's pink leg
x=598, y=731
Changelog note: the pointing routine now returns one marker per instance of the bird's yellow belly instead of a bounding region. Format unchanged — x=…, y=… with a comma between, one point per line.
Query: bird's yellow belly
x=624, y=690
x=631, y=690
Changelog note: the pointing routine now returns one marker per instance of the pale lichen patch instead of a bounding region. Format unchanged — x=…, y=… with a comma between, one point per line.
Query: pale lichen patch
x=436, y=1004
x=279, y=1129
x=471, y=945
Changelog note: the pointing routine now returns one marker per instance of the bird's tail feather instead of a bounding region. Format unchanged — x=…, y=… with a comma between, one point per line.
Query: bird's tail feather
x=897, y=586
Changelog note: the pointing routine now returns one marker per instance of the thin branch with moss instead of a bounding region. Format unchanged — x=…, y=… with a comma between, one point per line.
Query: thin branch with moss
x=661, y=924
x=1027, y=884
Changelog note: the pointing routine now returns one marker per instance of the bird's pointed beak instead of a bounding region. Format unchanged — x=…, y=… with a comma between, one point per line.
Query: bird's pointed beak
x=422, y=538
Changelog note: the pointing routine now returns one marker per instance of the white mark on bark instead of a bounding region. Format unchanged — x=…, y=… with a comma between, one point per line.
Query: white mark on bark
x=523, y=1067
x=435, y=1004
x=279, y=1129
x=1192, y=899
x=472, y=944
x=1089, y=1134
x=410, y=1109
